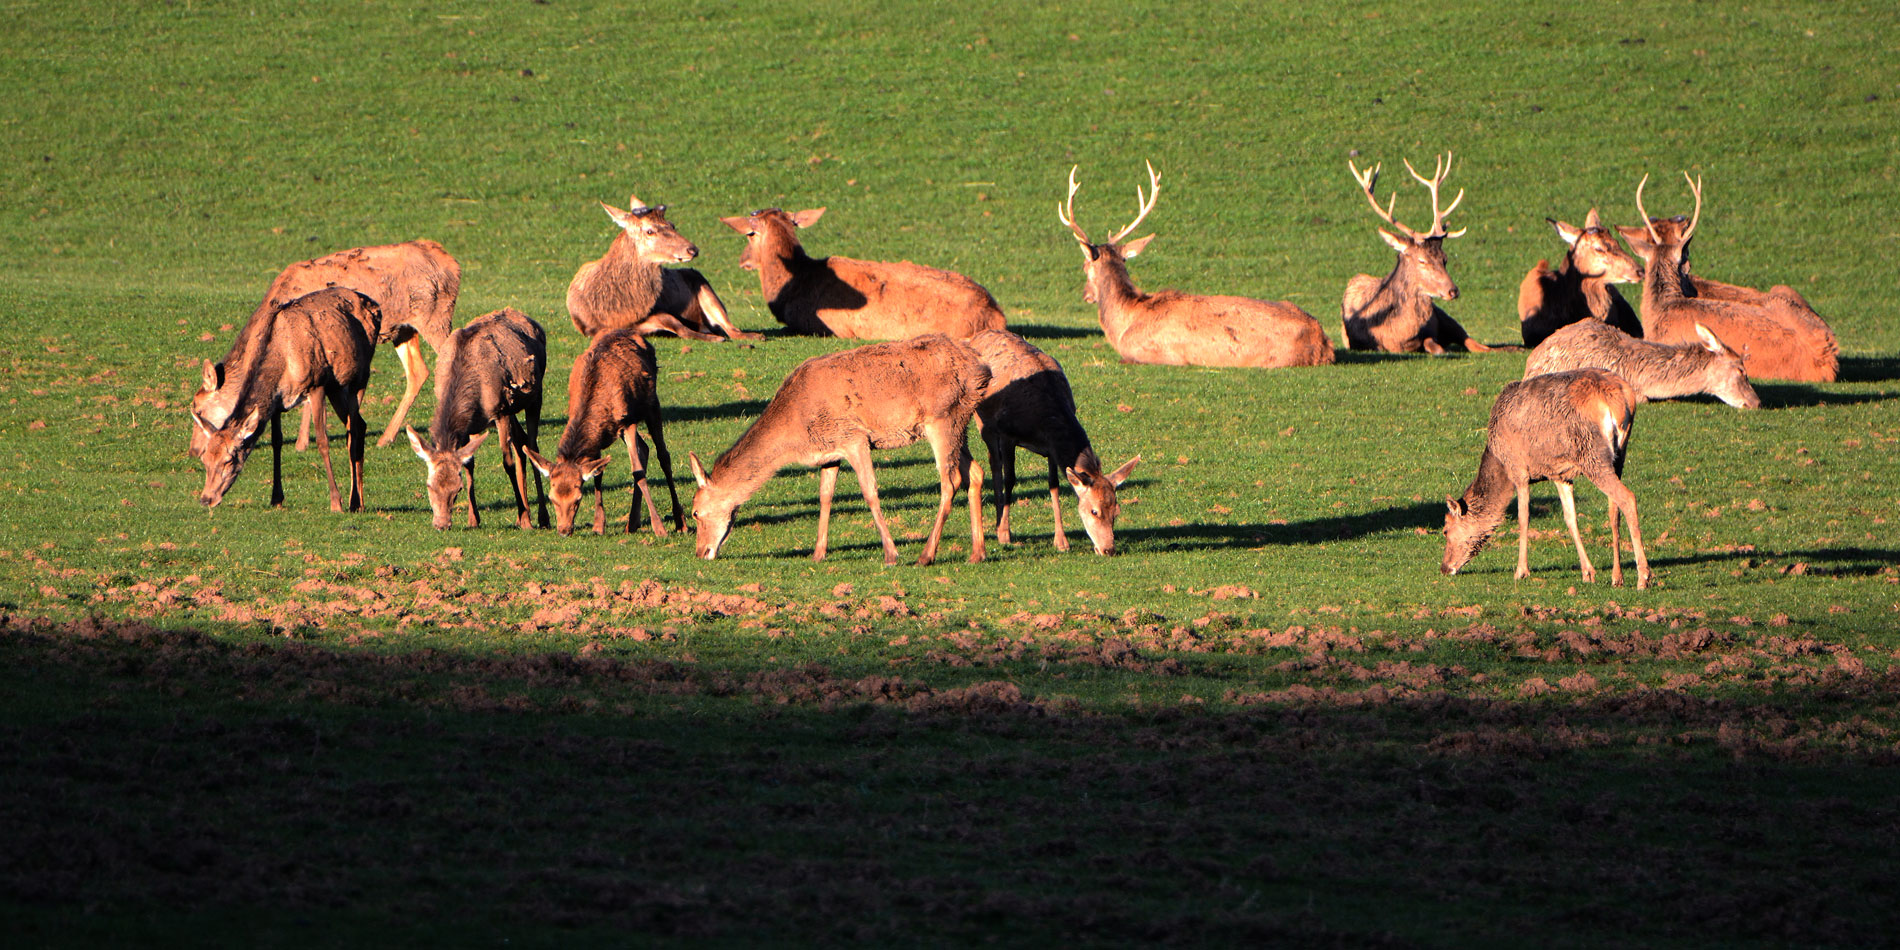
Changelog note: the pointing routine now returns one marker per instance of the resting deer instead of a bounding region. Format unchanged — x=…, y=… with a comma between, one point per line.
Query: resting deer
x=488, y=371
x=1549, y=300
x=1555, y=427
x=838, y=408
x=1397, y=314
x=610, y=395
x=1655, y=370
x=415, y=283
x=1028, y=405
x=857, y=300
x=1178, y=329
x=317, y=345
x=629, y=288
x=1778, y=335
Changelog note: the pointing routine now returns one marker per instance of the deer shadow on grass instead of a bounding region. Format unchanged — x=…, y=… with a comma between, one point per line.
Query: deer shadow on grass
x=1312, y=531
x=1044, y=331
x=1792, y=395
x=1869, y=369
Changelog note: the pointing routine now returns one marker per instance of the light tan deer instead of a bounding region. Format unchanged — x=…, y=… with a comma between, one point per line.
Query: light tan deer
x=1180, y=329
x=629, y=288
x=1396, y=314
x=1655, y=370
x=610, y=395
x=489, y=371
x=317, y=345
x=1028, y=405
x=837, y=408
x=415, y=283
x=853, y=299
x=1555, y=427
x=1778, y=335
x=1549, y=300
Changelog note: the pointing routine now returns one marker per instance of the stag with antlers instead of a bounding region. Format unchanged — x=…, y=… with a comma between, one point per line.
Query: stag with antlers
x=1396, y=314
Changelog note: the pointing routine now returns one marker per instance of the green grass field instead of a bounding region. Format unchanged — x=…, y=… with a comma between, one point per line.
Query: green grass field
x=1269, y=722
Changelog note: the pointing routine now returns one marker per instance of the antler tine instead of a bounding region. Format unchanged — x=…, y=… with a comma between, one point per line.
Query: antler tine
x=1653, y=237
x=1695, y=186
x=1440, y=169
x=1143, y=204
x=1065, y=212
x=1368, y=180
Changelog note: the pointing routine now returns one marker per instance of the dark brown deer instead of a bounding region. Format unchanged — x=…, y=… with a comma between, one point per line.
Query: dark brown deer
x=1557, y=427
x=1396, y=314
x=610, y=395
x=1028, y=405
x=629, y=288
x=488, y=372
x=837, y=408
x=315, y=346
x=857, y=300
x=1549, y=300
x=1656, y=370
x=415, y=283
x=1778, y=335
x=1180, y=329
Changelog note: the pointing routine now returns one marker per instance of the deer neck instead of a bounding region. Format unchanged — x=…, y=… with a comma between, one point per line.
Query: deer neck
x=1116, y=299
x=623, y=274
x=770, y=444
x=1489, y=495
x=779, y=266
x=1592, y=289
x=1400, y=289
x=590, y=407
x=1664, y=282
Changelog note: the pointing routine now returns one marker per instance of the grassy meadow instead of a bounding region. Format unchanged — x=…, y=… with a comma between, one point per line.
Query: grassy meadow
x=1269, y=721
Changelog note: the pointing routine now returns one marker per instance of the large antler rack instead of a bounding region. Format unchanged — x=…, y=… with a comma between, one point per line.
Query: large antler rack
x=1144, y=202
x=1368, y=181
x=1695, y=185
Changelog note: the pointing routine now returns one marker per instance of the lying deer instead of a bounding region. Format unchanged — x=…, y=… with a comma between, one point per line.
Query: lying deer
x=317, y=345
x=1655, y=370
x=1549, y=300
x=629, y=288
x=838, y=408
x=1178, y=329
x=610, y=395
x=1029, y=406
x=1397, y=314
x=1778, y=335
x=415, y=283
x=488, y=371
x=1555, y=427
x=858, y=300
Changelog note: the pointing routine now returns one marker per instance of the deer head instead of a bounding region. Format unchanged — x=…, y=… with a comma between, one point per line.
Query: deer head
x=223, y=450
x=1421, y=254
x=1106, y=263
x=1726, y=376
x=1465, y=535
x=566, y=479
x=712, y=512
x=770, y=233
x=447, y=473
x=1594, y=251
x=1664, y=242
x=654, y=238
x=1097, y=504
x=202, y=405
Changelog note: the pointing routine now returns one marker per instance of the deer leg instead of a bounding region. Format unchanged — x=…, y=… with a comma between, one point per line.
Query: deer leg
x=312, y=409
x=468, y=481
x=1567, y=494
x=1523, y=531
x=323, y=449
x=600, y=505
x=512, y=458
x=657, y=431
x=637, y=454
x=358, y=429
x=1055, y=505
x=526, y=467
x=1616, y=549
x=859, y=455
x=1003, y=459
x=973, y=473
x=1624, y=499
x=656, y=322
x=415, y=372
x=949, y=474
x=827, y=485
x=276, y=460
x=715, y=311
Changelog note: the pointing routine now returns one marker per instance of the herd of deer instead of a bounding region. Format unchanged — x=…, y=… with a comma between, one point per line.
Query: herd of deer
x=1593, y=359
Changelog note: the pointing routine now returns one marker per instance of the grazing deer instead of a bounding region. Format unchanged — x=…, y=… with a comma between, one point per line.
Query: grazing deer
x=1555, y=427
x=1397, y=314
x=838, y=408
x=1655, y=370
x=629, y=288
x=610, y=395
x=856, y=300
x=1178, y=329
x=317, y=345
x=487, y=372
x=1549, y=300
x=1778, y=335
x=415, y=283
x=1028, y=405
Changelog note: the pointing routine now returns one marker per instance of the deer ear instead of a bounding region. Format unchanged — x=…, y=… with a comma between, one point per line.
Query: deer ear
x=1565, y=231
x=1592, y=220
x=1455, y=505
x=593, y=467
x=540, y=464
x=699, y=471
x=249, y=426
x=1710, y=341
x=1136, y=246
x=203, y=426
x=1076, y=481
x=738, y=223
x=806, y=219
x=1395, y=242
x=214, y=376
x=467, y=452
x=416, y=442
x=619, y=217
x=633, y=202
x=1120, y=475
x=1637, y=237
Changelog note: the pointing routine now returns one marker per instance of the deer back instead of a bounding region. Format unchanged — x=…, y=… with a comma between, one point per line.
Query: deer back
x=1655, y=370
x=1029, y=403
x=628, y=284
x=612, y=387
x=416, y=284
x=494, y=368
x=1178, y=328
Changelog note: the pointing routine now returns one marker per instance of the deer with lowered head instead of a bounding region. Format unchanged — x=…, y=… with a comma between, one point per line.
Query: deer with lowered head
x=1656, y=370
x=415, y=283
x=610, y=395
x=1558, y=427
x=488, y=372
x=1396, y=314
x=1029, y=405
x=317, y=345
x=837, y=408
x=1549, y=300
x=1180, y=329
x=1778, y=335
x=629, y=288
x=853, y=299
